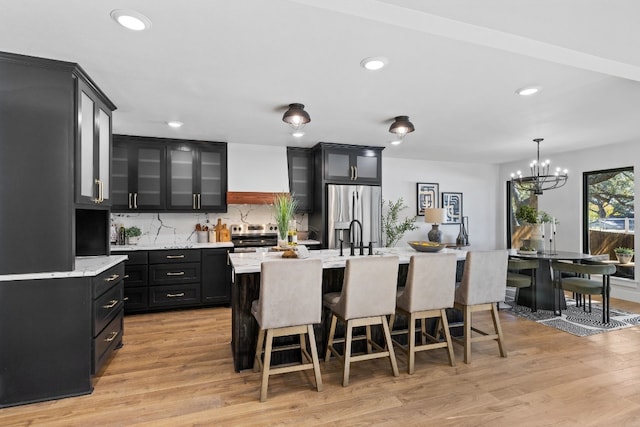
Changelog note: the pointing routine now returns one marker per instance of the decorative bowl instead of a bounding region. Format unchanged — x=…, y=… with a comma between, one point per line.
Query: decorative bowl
x=422, y=246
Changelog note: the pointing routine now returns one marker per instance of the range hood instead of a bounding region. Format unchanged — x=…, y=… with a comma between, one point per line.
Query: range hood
x=250, y=198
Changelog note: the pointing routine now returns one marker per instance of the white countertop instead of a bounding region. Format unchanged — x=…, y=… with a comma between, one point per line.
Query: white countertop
x=85, y=266
x=171, y=246
x=249, y=262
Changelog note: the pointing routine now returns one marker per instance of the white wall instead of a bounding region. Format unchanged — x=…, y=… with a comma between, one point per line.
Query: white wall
x=565, y=203
x=478, y=183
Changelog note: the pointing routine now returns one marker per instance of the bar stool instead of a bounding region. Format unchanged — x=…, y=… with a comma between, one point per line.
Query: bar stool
x=429, y=291
x=290, y=303
x=368, y=296
x=582, y=285
x=519, y=280
x=481, y=288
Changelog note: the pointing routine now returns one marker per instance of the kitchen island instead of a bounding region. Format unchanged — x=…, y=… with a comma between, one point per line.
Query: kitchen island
x=246, y=288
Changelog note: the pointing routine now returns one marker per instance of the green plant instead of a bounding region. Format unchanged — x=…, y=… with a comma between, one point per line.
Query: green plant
x=392, y=227
x=133, y=232
x=530, y=215
x=623, y=251
x=284, y=208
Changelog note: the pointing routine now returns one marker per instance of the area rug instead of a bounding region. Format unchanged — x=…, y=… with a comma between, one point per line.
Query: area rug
x=574, y=320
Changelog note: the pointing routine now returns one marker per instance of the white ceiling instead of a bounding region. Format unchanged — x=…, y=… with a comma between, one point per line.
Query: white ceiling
x=228, y=69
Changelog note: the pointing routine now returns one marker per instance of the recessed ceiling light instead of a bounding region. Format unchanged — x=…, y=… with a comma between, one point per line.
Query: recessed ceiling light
x=298, y=134
x=396, y=142
x=374, y=63
x=528, y=90
x=175, y=124
x=131, y=19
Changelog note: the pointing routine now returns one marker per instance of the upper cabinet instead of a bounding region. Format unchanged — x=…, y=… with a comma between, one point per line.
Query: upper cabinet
x=160, y=174
x=300, y=163
x=93, y=155
x=138, y=174
x=350, y=164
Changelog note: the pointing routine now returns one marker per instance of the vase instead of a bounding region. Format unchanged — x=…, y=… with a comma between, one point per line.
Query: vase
x=624, y=258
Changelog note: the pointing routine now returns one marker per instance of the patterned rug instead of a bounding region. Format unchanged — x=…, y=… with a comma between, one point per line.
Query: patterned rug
x=574, y=319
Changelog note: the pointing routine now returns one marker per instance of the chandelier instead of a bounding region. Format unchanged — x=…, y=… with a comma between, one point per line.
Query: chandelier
x=541, y=179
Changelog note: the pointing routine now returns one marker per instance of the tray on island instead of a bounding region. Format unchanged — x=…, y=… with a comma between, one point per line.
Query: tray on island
x=422, y=246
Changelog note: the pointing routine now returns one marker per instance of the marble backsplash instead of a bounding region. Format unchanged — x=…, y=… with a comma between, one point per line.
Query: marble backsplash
x=179, y=228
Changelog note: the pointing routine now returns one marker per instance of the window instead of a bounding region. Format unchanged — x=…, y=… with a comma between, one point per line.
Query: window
x=517, y=197
x=608, y=214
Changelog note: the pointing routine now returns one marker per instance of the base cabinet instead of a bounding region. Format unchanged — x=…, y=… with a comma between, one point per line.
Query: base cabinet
x=165, y=279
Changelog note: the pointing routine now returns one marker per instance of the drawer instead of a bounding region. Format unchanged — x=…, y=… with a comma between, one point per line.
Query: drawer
x=107, y=279
x=165, y=274
x=107, y=307
x=174, y=255
x=108, y=340
x=135, y=275
x=135, y=257
x=166, y=296
x=136, y=299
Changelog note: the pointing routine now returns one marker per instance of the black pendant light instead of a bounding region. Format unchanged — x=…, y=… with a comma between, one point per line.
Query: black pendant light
x=296, y=116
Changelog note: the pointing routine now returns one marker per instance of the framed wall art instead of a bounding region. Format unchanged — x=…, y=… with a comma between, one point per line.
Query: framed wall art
x=427, y=196
x=452, y=204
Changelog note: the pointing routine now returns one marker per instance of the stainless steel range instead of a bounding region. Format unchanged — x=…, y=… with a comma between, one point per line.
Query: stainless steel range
x=248, y=237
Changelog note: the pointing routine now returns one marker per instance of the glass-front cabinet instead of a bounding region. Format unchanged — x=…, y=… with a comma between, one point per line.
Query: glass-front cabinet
x=94, y=136
x=352, y=164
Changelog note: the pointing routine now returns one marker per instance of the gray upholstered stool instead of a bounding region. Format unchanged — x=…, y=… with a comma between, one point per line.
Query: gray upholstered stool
x=368, y=296
x=290, y=303
x=429, y=291
x=583, y=284
x=481, y=288
x=515, y=279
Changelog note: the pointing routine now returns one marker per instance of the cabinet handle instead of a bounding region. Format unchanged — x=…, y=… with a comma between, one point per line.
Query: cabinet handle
x=175, y=256
x=199, y=205
x=125, y=299
x=96, y=182
x=126, y=276
x=351, y=173
x=111, y=304
x=181, y=294
x=135, y=200
x=112, y=336
x=355, y=173
x=175, y=273
x=101, y=185
x=194, y=201
x=130, y=204
x=112, y=277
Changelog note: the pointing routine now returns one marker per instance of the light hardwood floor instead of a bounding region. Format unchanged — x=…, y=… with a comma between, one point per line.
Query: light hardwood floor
x=175, y=369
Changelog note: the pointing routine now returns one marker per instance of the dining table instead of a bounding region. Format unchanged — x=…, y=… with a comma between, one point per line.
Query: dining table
x=547, y=296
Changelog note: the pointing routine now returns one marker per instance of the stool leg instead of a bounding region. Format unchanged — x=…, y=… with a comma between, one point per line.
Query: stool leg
x=347, y=352
x=332, y=332
x=412, y=344
x=467, y=333
x=392, y=354
x=257, y=362
x=266, y=367
x=303, y=347
x=447, y=336
x=498, y=327
x=314, y=357
x=368, y=334
x=423, y=331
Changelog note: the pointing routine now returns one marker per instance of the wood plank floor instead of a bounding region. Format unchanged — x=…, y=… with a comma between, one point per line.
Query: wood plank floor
x=175, y=369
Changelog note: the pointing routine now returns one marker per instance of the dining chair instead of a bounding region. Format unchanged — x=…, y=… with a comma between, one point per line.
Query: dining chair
x=290, y=303
x=368, y=296
x=583, y=284
x=517, y=279
x=429, y=291
x=481, y=288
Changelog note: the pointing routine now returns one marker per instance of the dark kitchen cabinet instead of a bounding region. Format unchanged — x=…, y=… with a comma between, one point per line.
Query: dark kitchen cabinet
x=216, y=276
x=136, y=281
x=350, y=164
x=300, y=164
x=41, y=167
x=197, y=176
x=138, y=174
x=93, y=152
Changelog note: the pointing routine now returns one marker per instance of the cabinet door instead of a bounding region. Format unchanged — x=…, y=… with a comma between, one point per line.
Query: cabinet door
x=148, y=170
x=337, y=166
x=300, y=162
x=94, y=148
x=211, y=191
x=120, y=176
x=181, y=171
x=368, y=166
x=216, y=276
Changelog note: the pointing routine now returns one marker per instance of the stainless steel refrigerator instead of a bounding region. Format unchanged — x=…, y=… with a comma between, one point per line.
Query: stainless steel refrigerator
x=346, y=203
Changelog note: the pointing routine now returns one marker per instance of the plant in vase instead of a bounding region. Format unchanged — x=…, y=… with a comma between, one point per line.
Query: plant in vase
x=284, y=208
x=623, y=254
x=133, y=234
x=532, y=217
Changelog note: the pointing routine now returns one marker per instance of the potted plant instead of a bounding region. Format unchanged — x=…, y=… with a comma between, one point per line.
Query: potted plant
x=133, y=234
x=623, y=254
x=530, y=216
x=392, y=227
x=284, y=208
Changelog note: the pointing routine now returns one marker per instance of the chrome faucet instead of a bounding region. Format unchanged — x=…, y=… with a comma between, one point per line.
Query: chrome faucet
x=355, y=221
